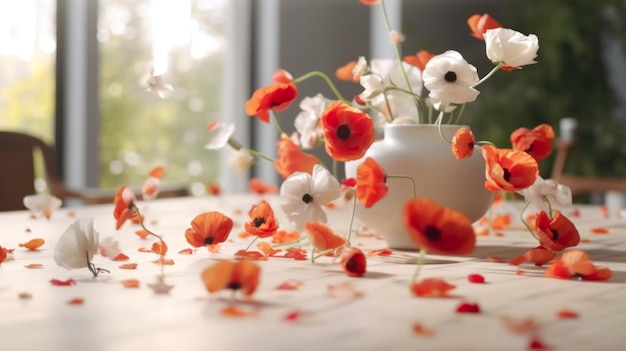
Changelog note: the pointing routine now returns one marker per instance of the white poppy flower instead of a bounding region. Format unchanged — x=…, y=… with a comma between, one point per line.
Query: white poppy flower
x=391, y=73
x=155, y=84
x=511, y=47
x=373, y=85
x=302, y=195
x=150, y=188
x=241, y=160
x=449, y=78
x=307, y=121
x=360, y=68
x=77, y=245
x=42, y=204
x=219, y=134
x=555, y=193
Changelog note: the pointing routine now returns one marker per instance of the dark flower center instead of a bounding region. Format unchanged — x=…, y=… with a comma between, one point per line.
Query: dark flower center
x=307, y=198
x=555, y=234
x=208, y=240
x=351, y=265
x=507, y=174
x=433, y=233
x=470, y=145
x=343, y=132
x=258, y=221
x=234, y=285
x=450, y=77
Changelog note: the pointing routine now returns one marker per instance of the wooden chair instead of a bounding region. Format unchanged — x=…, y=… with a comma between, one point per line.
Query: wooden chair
x=17, y=179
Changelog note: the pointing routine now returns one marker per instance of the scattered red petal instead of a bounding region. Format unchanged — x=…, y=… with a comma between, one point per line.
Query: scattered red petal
x=575, y=213
x=536, y=344
x=250, y=255
x=293, y=316
x=234, y=311
x=467, y=307
x=142, y=233
x=296, y=254
x=496, y=259
x=566, y=314
x=520, y=272
x=130, y=283
x=128, y=266
x=120, y=257
x=585, y=240
x=143, y=249
x=244, y=235
x=379, y=252
x=520, y=326
x=431, y=287
x=58, y=282
x=159, y=247
x=499, y=234
x=187, y=251
x=517, y=260
x=267, y=249
x=475, y=278
x=481, y=232
x=76, y=301
x=33, y=244
x=291, y=284
x=34, y=265
x=420, y=330
x=599, y=230
x=164, y=261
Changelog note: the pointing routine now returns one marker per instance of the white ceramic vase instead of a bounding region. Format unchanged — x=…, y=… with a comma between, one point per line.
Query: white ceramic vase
x=418, y=151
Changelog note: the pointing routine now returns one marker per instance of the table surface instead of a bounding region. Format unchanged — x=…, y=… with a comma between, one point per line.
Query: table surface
x=384, y=317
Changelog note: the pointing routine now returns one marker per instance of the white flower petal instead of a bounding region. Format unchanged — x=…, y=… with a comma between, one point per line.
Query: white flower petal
x=326, y=188
x=77, y=245
x=449, y=78
x=511, y=47
x=42, y=204
x=219, y=134
x=109, y=247
x=241, y=160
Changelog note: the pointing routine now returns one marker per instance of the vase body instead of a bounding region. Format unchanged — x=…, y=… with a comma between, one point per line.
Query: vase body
x=418, y=151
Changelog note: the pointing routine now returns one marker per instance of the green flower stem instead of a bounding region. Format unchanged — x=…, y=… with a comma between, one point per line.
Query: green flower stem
x=252, y=242
x=135, y=209
x=406, y=177
x=438, y=123
x=545, y=198
x=275, y=117
x=290, y=243
x=314, y=257
x=235, y=145
x=351, y=218
x=328, y=81
x=420, y=263
x=460, y=114
x=524, y=221
x=491, y=73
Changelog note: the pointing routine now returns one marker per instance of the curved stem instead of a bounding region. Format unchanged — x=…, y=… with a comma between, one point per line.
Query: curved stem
x=161, y=254
x=237, y=146
x=491, y=73
x=352, y=218
x=290, y=243
x=328, y=81
x=252, y=242
x=524, y=221
x=406, y=177
x=438, y=123
x=275, y=117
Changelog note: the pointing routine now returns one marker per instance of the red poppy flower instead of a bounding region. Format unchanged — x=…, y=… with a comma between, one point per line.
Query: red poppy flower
x=292, y=159
x=124, y=201
x=371, y=182
x=257, y=186
x=276, y=96
x=557, y=233
x=3, y=254
x=508, y=170
x=536, y=142
x=538, y=255
x=239, y=275
x=463, y=143
x=353, y=261
x=431, y=287
x=479, y=24
x=209, y=228
x=345, y=72
x=437, y=229
x=348, y=131
x=576, y=264
x=262, y=221
x=419, y=60
x=322, y=237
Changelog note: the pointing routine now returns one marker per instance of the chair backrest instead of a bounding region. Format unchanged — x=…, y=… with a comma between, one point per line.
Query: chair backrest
x=17, y=179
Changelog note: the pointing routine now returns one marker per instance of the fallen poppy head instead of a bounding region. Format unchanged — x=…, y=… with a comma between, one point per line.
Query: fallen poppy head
x=238, y=275
x=353, y=261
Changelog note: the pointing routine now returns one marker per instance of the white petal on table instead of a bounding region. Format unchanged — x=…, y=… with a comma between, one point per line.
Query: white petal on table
x=77, y=245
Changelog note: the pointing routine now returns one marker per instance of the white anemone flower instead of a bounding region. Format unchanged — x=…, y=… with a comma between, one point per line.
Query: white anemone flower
x=511, y=47
x=391, y=73
x=302, y=195
x=241, y=160
x=450, y=79
x=547, y=189
x=155, y=84
x=360, y=68
x=219, y=134
x=109, y=247
x=307, y=121
x=77, y=246
x=42, y=204
x=373, y=85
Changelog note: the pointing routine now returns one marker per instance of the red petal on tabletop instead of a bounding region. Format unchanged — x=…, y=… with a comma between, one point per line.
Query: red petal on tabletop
x=142, y=233
x=537, y=344
x=71, y=214
x=519, y=272
x=520, y=326
x=128, y=266
x=33, y=244
x=267, y=249
x=467, y=307
x=159, y=247
x=120, y=257
x=130, y=283
x=234, y=311
x=58, y=282
x=144, y=249
x=244, y=235
x=599, y=230
x=296, y=254
x=501, y=222
x=421, y=330
x=291, y=284
x=34, y=265
x=604, y=211
x=250, y=255
x=475, y=278
x=293, y=316
x=431, y=287
x=164, y=261
x=517, y=260
x=379, y=252
x=187, y=251
x=584, y=240
x=496, y=259
x=322, y=237
x=76, y=301
x=566, y=314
